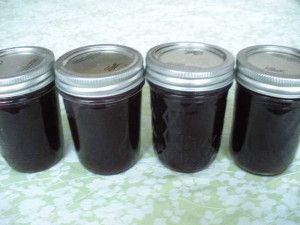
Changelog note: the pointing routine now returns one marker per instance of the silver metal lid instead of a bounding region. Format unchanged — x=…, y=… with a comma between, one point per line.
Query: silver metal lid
x=189, y=66
x=99, y=71
x=271, y=70
x=24, y=70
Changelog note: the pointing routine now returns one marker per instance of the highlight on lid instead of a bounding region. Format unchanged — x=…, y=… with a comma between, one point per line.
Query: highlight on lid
x=99, y=70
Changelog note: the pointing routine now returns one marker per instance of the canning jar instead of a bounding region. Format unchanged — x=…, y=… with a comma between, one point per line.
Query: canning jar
x=31, y=138
x=266, y=126
x=101, y=86
x=189, y=82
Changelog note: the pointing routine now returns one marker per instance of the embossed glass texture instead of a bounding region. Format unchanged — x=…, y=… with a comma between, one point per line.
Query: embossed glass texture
x=187, y=127
x=189, y=82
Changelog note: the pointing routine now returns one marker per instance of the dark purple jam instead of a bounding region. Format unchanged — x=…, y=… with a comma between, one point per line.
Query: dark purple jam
x=187, y=127
x=106, y=131
x=265, y=133
x=31, y=136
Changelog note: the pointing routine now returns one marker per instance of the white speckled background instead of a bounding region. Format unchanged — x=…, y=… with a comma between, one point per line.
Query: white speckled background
x=149, y=193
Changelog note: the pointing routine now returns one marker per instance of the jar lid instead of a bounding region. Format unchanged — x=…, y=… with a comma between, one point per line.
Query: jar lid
x=189, y=66
x=24, y=70
x=271, y=70
x=99, y=71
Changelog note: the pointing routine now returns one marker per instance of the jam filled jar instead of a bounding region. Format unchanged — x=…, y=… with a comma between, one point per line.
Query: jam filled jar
x=266, y=126
x=189, y=83
x=31, y=137
x=101, y=86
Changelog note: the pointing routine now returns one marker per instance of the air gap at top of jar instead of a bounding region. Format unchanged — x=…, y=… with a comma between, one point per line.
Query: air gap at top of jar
x=31, y=137
x=189, y=83
x=266, y=127
x=101, y=87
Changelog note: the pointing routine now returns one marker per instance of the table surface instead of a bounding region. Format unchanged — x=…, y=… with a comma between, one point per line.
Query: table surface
x=149, y=193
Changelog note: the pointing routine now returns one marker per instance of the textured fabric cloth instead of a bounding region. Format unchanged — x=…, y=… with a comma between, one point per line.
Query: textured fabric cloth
x=149, y=193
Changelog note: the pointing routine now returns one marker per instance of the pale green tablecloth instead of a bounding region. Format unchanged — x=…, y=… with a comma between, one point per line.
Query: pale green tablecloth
x=149, y=193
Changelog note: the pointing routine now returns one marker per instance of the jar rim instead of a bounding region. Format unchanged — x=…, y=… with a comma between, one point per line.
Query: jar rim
x=25, y=69
x=99, y=70
x=270, y=69
x=189, y=66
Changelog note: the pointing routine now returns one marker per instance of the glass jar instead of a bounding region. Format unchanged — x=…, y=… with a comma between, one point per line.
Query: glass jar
x=31, y=138
x=266, y=126
x=102, y=86
x=189, y=83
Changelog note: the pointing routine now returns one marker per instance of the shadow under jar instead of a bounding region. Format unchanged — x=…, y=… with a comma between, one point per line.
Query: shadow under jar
x=101, y=86
x=189, y=83
x=31, y=138
x=266, y=128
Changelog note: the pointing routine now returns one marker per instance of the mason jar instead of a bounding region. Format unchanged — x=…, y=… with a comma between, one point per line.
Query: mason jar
x=102, y=86
x=31, y=138
x=189, y=82
x=266, y=128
